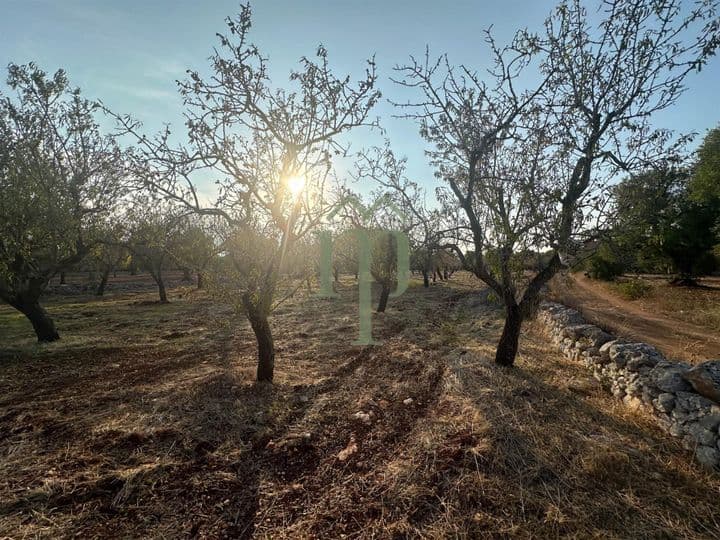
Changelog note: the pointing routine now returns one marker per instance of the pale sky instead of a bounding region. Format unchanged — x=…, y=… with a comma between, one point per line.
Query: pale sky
x=129, y=53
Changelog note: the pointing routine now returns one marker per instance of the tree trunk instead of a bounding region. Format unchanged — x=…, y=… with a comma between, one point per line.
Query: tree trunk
x=161, y=290
x=42, y=323
x=157, y=276
x=384, y=294
x=266, y=347
x=426, y=278
x=508, y=346
x=336, y=274
x=199, y=280
x=103, y=283
x=62, y=278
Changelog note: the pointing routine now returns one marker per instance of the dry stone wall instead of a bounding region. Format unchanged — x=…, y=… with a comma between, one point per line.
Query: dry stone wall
x=684, y=399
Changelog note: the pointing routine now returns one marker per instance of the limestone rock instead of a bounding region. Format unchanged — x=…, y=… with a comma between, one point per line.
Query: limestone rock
x=693, y=403
x=708, y=457
x=363, y=417
x=665, y=402
x=632, y=356
x=586, y=335
x=669, y=377
x=700, y=434
x=705, y=379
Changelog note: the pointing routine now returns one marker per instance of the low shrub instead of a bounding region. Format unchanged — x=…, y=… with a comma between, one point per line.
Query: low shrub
x=634, y=289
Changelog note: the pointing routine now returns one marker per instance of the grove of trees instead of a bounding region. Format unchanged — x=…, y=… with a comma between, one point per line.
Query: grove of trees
x=527, y=156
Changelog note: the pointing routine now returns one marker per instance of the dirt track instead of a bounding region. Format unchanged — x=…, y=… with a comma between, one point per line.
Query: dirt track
x=676, y=339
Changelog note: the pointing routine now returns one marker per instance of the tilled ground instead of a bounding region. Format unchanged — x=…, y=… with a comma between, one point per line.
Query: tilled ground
x=156, y=429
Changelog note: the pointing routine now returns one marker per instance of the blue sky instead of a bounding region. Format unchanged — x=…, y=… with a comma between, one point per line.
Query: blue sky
x=129, y=53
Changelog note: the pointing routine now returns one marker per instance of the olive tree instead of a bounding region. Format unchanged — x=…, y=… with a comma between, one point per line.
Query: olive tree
x=59, y=179
x=528, y=166
x=270, y=151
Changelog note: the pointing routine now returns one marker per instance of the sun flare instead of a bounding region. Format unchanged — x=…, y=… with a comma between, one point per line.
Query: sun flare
x=296, y=184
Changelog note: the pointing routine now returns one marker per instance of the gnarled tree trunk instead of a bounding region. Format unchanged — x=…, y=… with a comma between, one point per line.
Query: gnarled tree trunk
x=266, y=346
x=157, y=276
x=43, y=325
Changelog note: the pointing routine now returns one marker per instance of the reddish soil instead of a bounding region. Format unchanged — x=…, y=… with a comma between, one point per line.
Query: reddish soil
x=144, y=421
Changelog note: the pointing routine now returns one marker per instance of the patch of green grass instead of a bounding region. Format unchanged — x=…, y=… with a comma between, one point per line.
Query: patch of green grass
x=90, y=323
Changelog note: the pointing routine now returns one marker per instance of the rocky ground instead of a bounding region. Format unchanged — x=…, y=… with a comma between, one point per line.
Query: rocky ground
x=144, y=420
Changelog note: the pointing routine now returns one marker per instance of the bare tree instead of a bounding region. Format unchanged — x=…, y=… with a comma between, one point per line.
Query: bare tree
x=270, y=150
x=528, y=167
x=423, y=225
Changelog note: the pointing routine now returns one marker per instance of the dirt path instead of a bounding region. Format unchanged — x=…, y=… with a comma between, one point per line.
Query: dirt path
x=676, y=339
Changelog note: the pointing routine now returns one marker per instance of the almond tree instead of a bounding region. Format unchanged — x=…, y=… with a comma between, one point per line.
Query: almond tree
x=528, y=167
x=60, y=177
x=382, y=167
x=153, y=234
x=270, y=151
x=196, y=247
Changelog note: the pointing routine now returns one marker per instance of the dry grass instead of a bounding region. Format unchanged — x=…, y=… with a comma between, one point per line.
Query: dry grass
x=144, y=421
x=699, y=306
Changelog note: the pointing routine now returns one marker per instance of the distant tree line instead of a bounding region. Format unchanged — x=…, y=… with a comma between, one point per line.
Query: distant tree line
x=666, y=221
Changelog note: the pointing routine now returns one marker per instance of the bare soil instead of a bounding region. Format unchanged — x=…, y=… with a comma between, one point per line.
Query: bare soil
x=679, y=321
x=145, y=421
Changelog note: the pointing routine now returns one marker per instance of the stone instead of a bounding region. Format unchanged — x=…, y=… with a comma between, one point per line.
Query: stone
x=693, y=403
x=711, y=421
x=586, y=335
x=632, y=356
x=705, y=379
x=665, y=402
x=408, y=401
x=700, y=434
x=708, y=457
x=632, y=401
x=363, y=417
x=349, y=450
x=675, y=429
x=605, y=348
x=669, y=377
